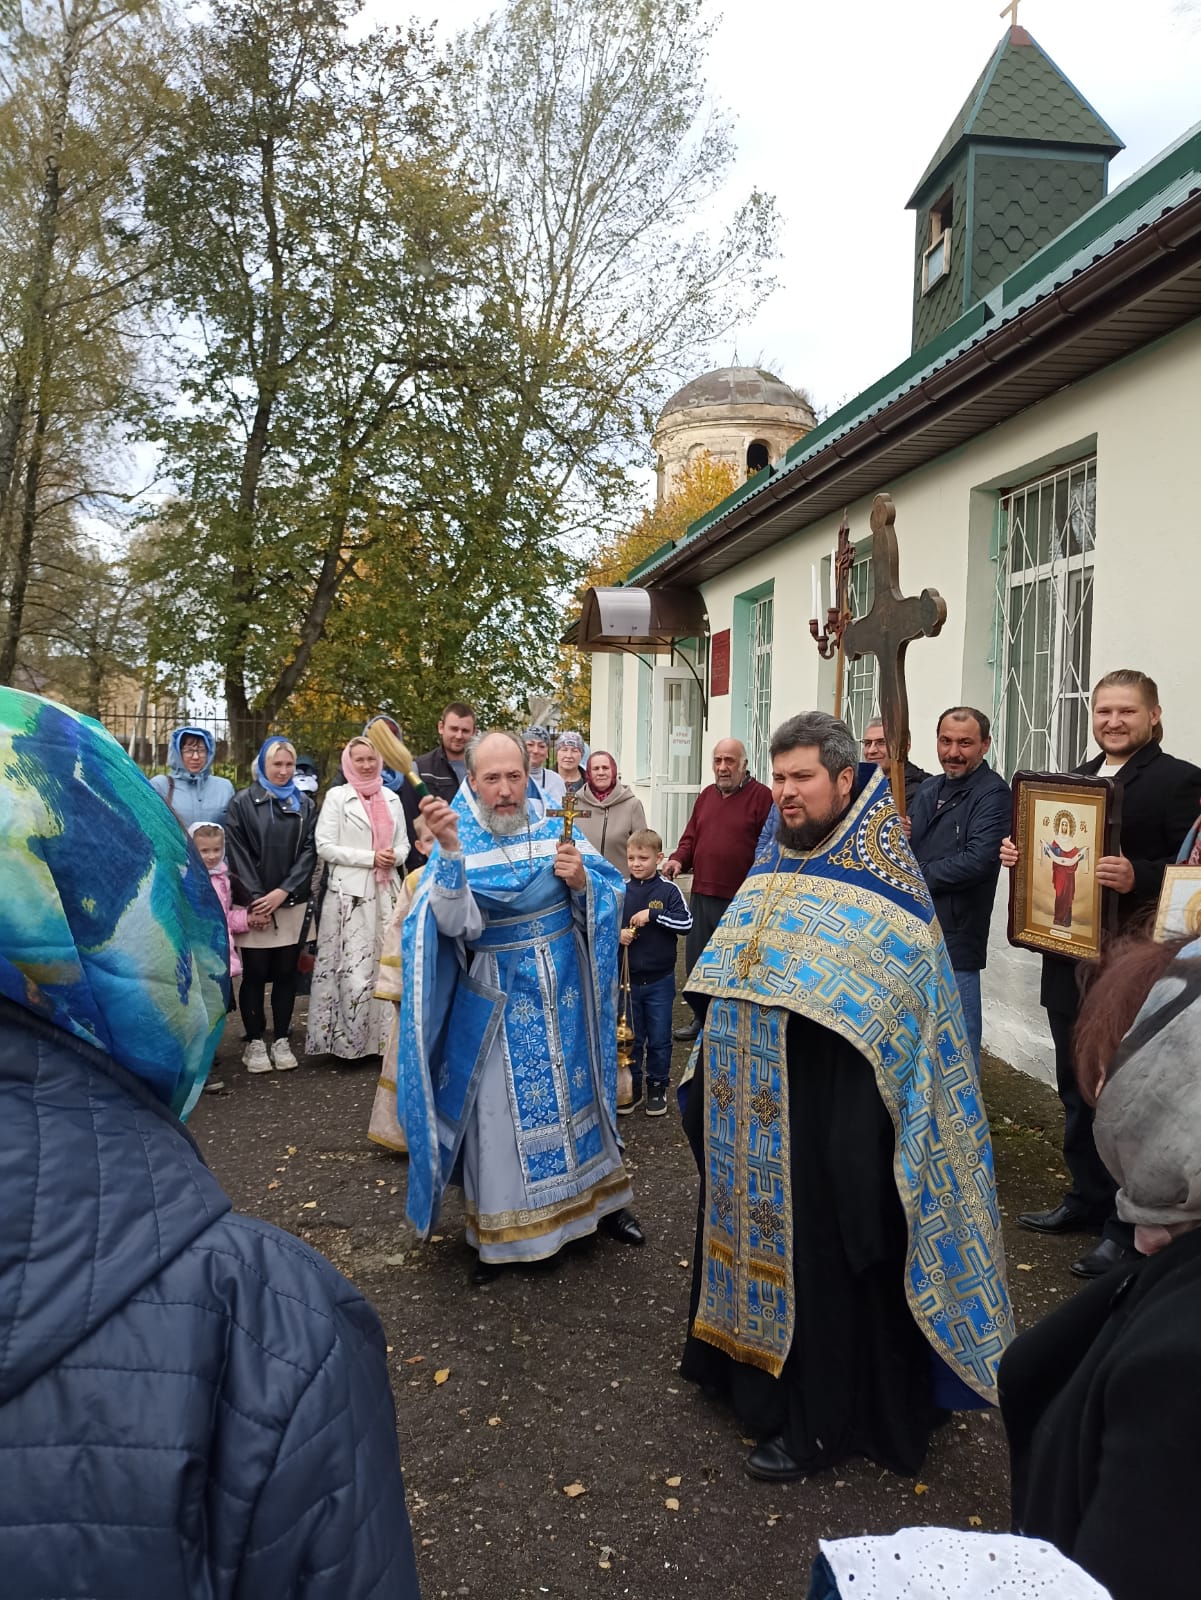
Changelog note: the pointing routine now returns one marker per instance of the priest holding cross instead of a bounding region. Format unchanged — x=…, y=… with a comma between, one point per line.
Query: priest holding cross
x=849, y=1279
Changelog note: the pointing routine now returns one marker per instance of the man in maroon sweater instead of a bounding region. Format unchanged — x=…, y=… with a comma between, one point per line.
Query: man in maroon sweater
x=717, y=847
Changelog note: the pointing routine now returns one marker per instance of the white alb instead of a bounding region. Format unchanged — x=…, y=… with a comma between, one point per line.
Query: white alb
x=944, y=1564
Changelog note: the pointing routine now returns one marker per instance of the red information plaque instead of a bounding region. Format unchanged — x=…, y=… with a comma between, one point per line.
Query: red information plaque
x=719, y=663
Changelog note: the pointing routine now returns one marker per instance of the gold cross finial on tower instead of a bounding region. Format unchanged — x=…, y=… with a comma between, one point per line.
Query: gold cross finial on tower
x=1011, y=11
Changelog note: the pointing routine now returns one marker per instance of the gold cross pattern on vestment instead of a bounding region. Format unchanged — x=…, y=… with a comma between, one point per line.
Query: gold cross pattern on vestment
x=569, y=812
x=886, y=631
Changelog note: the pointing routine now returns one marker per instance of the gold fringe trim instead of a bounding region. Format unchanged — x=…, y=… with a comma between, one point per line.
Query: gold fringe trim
x=747, y=1355
x=490, y=1230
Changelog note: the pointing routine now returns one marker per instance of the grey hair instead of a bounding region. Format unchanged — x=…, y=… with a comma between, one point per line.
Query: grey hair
x=834, y=741
x=473, y=745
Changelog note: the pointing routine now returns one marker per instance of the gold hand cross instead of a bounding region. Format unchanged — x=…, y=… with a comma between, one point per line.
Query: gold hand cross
x=569, y=812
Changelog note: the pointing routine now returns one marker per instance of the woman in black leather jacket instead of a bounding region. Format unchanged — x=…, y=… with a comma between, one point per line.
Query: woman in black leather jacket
x=272, y=854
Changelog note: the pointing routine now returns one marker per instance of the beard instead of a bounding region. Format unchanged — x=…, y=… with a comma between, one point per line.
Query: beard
x=503, y=823
x=808, y=835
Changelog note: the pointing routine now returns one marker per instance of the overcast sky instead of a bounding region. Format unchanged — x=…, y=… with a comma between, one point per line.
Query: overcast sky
x=838, y=108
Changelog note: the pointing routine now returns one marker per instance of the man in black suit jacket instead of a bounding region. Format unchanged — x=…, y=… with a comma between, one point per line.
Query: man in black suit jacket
x=1161, y=796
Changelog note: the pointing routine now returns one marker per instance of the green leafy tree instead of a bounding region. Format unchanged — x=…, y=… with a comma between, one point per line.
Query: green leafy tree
x=81, y=89
x=318, y=244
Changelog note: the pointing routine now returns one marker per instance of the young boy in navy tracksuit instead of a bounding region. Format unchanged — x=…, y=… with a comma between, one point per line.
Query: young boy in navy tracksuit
x=653, y=918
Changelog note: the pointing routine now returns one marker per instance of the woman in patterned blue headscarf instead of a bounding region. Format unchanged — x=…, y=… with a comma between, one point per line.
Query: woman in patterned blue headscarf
x=205, y=1398
x=108, y=926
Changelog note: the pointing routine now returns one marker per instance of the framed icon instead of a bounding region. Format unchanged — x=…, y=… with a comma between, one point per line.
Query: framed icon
x=1062, y=825
x=1179, y=913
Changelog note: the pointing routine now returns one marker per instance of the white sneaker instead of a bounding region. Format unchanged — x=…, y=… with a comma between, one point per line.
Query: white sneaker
x=281, y=1054
x=255, y=1057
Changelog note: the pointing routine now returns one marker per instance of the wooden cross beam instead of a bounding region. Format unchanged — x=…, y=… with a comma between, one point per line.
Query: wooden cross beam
x=1011, y=11
x=885, y=632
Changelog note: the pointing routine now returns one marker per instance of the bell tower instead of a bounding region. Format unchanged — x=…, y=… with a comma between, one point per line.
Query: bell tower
x=1024, y=159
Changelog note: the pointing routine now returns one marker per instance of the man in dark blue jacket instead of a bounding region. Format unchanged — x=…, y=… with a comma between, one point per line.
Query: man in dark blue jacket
x=957, y=823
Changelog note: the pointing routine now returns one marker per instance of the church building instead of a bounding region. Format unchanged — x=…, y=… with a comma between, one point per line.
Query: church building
x=1039, y=445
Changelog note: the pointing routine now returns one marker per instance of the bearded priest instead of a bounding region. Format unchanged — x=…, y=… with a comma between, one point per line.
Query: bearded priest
x=508, y=1023
x=849, y=1280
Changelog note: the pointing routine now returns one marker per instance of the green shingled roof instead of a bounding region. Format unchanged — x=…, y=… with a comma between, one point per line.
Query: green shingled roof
x=1022, y=97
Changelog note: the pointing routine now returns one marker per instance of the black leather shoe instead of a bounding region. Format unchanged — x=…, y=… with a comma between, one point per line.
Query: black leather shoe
x=687, y=1032
x=1062, y=1218
x=771, y=1462
x=484, y=1272
x=623, y=1226
x=1107, y=1255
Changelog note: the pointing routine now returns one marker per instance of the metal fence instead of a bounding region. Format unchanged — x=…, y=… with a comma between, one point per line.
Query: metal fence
x=147, y=734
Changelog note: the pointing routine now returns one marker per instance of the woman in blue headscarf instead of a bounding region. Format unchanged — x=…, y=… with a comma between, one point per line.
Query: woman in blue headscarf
x=192, y=1403
x=272, y=854
x=190, y=786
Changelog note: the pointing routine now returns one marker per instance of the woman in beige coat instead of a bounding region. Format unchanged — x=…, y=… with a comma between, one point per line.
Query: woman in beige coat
x=614, y=811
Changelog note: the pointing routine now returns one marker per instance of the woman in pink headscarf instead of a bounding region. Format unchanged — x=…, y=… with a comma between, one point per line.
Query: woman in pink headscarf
x=614, y=812
x=361, y=834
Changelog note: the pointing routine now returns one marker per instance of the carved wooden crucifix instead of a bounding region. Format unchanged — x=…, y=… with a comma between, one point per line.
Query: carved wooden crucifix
x=885, y=632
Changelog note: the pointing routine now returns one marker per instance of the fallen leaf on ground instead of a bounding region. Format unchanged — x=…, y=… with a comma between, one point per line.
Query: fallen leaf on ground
x=274, y=1184
x=309, y=1205
x=396, y=1260
x=672, y=1503
x=921, y=1488
x=411, y=1361
x=606, y=1566
x=673, y=1483
x=441, y=1375
x=436, y=1238
x=683, y=1262
x=976, y=1522
x=494, y=1422
x=571, y=1490
x=1024, y=1266
x=291, y=1149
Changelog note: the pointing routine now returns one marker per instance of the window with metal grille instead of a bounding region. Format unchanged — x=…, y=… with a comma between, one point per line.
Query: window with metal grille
x=1047, y=532
x=860, y=679
x=759, y=718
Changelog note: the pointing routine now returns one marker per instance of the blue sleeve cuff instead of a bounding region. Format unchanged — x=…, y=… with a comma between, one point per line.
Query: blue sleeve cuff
x=449, y=872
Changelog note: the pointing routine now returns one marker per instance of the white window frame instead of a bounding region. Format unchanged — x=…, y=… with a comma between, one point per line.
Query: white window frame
x=1046, y=549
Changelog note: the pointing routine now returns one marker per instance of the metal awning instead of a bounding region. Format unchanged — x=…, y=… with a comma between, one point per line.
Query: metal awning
x=647, y=620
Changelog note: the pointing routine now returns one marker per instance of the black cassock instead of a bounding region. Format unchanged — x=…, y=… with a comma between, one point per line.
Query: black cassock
x=858, y=1379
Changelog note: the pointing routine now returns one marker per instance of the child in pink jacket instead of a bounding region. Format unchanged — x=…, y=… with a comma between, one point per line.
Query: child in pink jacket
x=210, y=841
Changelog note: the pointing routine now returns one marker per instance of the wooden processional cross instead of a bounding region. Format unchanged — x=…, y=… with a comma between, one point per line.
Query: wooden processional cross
x=886, y=631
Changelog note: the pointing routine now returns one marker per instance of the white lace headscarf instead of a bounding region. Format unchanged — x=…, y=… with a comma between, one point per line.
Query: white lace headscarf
x=944, y=1564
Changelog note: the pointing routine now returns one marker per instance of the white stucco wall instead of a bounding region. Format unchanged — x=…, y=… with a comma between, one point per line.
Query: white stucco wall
x=1142, y=417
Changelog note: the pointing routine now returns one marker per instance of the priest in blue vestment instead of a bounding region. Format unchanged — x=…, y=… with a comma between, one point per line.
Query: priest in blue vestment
x=849, y=1280
x=508, y=1023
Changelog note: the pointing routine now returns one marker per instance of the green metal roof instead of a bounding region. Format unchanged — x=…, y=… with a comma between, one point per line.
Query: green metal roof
x=1169, y=180
x=1021, y=97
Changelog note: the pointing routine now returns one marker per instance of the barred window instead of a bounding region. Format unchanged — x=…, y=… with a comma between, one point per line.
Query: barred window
x=861, y=679
x=1047, y=535
x=759, y=708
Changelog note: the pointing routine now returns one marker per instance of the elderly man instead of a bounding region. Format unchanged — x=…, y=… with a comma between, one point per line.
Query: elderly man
x=849, y=1283
x=508, y=1024
x=717, y=847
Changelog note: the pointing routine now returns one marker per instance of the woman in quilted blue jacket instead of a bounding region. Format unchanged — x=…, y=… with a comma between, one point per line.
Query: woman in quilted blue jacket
x=192, y=1403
